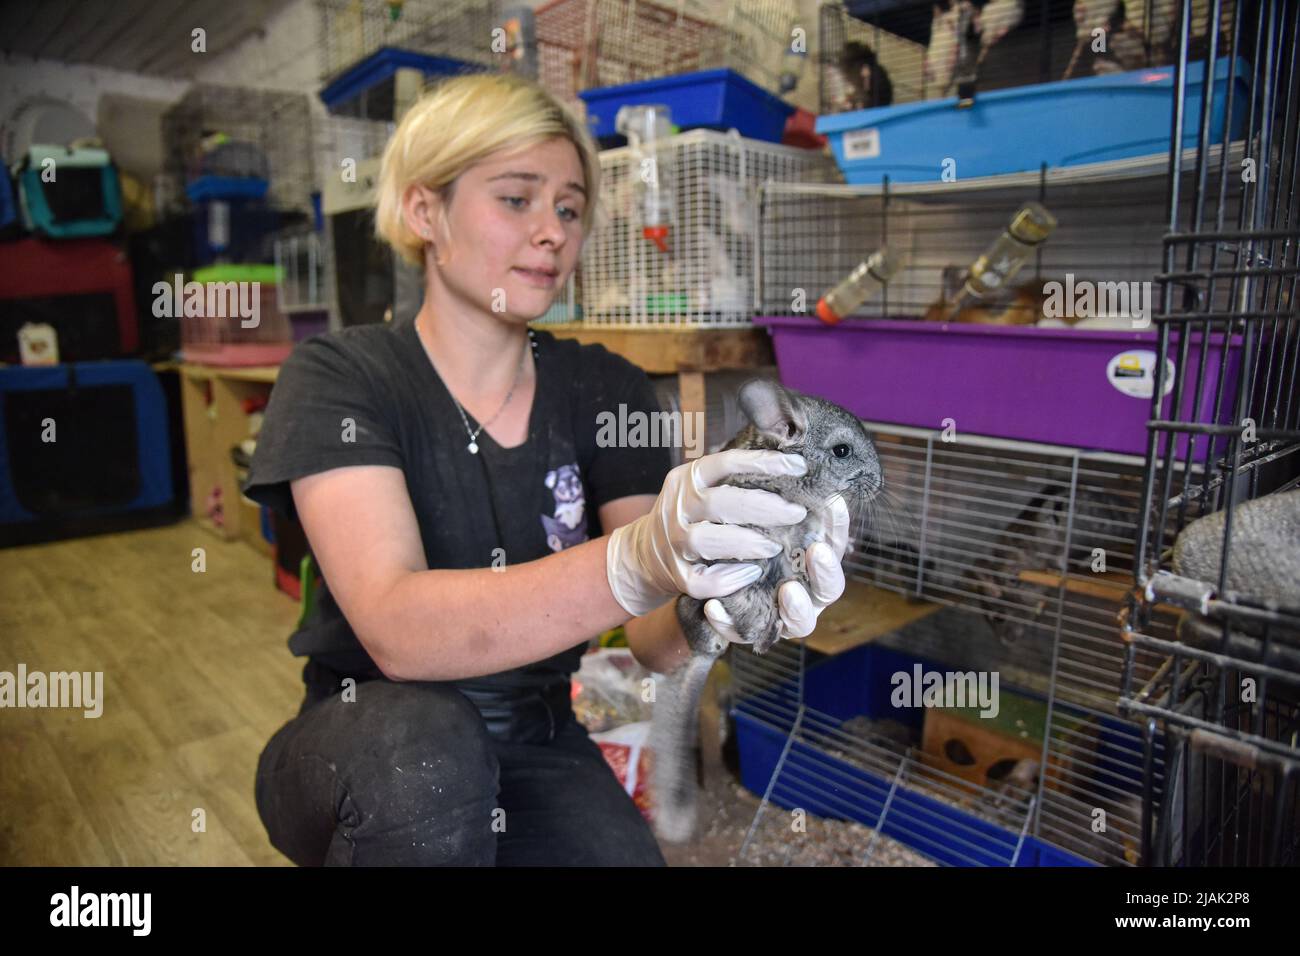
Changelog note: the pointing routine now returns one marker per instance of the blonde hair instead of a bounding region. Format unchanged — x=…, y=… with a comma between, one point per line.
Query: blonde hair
x=460, y=122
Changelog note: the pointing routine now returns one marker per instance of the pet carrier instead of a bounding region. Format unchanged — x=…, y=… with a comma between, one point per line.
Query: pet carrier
x=84, y=448
x=81, y=287
x=68, y=193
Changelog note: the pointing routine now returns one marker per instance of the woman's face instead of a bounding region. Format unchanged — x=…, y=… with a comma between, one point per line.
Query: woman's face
x=516, y=230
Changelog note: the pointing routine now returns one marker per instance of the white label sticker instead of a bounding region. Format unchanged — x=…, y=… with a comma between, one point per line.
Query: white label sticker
x=862, y=143
x=1133, y=373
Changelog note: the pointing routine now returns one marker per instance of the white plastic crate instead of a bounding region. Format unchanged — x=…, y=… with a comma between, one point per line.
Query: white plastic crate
x=706, y=276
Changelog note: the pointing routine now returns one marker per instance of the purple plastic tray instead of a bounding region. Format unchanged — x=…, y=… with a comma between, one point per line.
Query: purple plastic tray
x=1032, y=384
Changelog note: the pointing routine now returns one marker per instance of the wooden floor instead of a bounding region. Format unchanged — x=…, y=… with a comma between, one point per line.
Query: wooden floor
x=197, y=677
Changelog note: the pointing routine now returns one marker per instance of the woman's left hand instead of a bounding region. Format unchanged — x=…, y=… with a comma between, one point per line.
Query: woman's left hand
x=799, y=609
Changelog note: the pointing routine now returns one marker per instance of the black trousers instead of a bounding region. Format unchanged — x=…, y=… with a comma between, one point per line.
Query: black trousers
x=408, y=774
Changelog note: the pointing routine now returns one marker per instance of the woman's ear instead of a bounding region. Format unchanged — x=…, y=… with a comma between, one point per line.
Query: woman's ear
x=420, y=211
x=773, y=411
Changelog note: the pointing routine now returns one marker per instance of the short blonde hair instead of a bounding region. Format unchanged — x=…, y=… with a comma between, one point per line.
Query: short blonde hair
x=460, y=122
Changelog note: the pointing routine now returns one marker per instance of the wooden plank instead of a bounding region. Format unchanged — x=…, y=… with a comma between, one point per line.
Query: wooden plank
x=251, y=373
x=691, y=400
x=1111, y=586
x=666, y=350
x=254, y=373
x=863, y=614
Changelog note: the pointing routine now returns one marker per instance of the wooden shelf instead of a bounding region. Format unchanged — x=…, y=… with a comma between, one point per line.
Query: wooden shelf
x=689, y=353
x=257, y=373
x=864, y=613
x=211, y=430
x=666, y=350
x=1111, y=586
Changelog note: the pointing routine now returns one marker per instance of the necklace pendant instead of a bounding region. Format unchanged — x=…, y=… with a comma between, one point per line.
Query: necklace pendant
x=473, y=447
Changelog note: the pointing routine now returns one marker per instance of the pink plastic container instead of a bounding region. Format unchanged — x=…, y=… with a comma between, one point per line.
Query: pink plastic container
x=1081, y=388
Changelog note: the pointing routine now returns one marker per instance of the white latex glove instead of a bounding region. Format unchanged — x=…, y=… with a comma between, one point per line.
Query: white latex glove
x=799, y=609
x=695, y=518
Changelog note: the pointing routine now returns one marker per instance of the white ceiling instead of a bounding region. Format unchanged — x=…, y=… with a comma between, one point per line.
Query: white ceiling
x=152, y=37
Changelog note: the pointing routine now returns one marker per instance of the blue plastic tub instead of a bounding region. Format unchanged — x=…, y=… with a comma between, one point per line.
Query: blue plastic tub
x=1066, y=123
x=859, y=682
x=714, y=99
x=226, y=187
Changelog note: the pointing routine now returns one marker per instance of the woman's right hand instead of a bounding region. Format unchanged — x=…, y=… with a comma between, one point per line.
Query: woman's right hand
x=696, y=519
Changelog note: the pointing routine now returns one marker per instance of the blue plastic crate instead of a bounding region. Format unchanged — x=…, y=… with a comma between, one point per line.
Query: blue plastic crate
x=382, y=64
x=1066, y=123
x=713, y=99
x=859, y=682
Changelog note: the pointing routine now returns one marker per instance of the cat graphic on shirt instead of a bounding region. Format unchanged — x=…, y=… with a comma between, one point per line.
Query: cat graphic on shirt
x=568, y=526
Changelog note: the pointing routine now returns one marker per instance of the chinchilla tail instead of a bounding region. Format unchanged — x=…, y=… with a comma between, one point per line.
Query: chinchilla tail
x=672, y=738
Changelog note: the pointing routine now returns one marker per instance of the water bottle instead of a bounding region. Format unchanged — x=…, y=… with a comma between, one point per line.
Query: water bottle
x=1031, y=225
x=862, y=283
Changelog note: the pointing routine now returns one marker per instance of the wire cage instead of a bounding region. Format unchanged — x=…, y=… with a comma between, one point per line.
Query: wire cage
x=585, y=44
x=704, y=276
x=352, y=30
x=883, y=53
x=238, y=132
x=305, y=254
x=1108, y=231
x=1028, y=551
x=240, y=321
x=1219, y=547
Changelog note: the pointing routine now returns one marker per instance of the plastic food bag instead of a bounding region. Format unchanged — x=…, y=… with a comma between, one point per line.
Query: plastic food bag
x=608, y=690
x=628, y=756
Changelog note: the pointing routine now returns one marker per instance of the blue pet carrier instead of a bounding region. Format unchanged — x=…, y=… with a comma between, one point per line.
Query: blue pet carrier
x=84, y=448
x=68, y=193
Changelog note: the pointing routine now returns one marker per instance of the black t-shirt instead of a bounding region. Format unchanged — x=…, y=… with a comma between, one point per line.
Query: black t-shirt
x=375, y=385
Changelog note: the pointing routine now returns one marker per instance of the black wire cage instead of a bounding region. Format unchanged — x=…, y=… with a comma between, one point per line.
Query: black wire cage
x=883, y=52
x=1219, y=536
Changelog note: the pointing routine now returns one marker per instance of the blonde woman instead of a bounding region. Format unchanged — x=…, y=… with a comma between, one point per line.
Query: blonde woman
x=471, y=533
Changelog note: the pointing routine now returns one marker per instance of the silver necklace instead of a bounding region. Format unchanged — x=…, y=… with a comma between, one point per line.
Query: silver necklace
x=474, y=433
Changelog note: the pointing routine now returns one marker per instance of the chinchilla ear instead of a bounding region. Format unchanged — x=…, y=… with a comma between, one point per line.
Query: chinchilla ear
x=774, y=411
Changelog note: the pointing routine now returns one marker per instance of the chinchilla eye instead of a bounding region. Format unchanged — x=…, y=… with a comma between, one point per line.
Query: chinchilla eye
x=841, y=451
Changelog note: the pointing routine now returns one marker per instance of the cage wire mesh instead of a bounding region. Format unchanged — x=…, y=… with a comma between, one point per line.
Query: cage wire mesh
x=268, y=135
x=339, y=147
x=351, y=30
x=585, y=44
x=1011, y=532
x=706, y=275
x=1143, y=677
x=1227, y=694
x=1109, y=230
x=880, y=54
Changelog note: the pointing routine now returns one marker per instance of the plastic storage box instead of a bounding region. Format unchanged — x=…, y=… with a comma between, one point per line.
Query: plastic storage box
x=1081, y=388
x=1066, y=123
x=715, y=99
